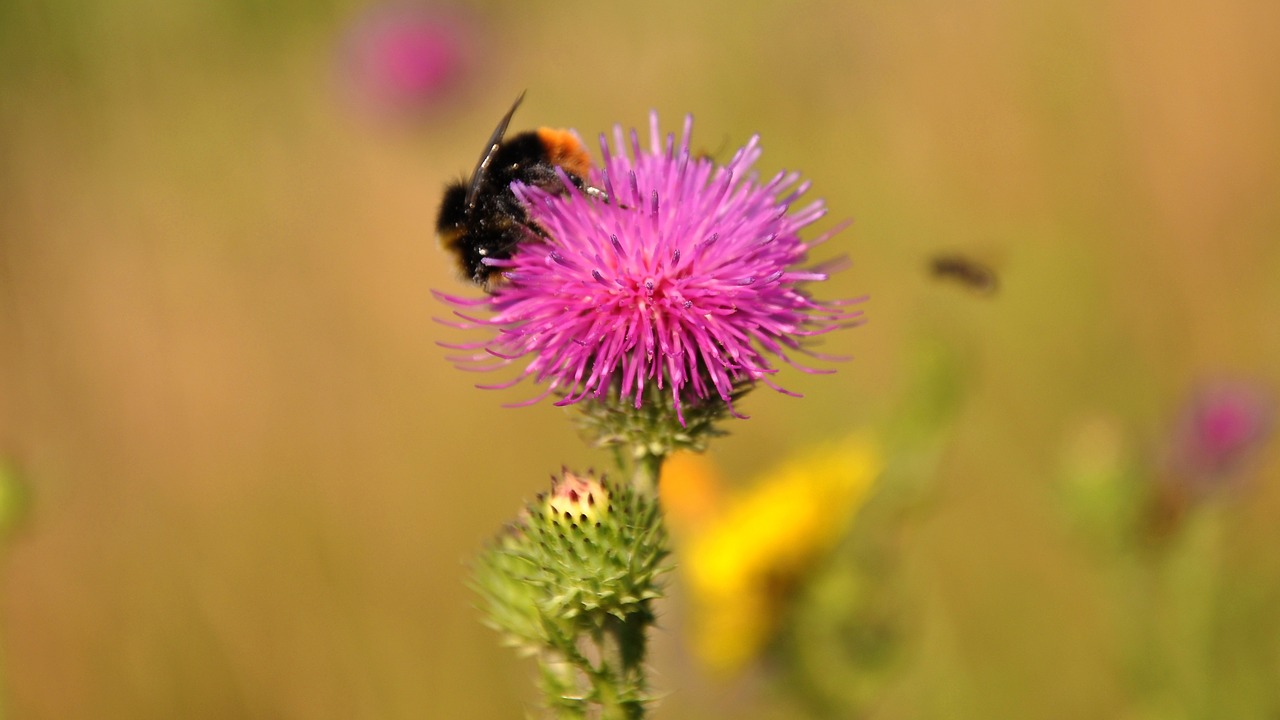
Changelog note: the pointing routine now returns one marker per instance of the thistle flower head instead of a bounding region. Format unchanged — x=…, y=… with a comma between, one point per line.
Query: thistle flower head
x=686, y=276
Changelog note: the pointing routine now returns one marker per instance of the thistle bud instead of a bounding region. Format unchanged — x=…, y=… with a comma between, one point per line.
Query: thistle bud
x=577, y=556
x=577, y=499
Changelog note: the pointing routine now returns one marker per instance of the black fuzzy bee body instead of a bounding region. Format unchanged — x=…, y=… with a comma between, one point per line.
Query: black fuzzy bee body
x=481, y=219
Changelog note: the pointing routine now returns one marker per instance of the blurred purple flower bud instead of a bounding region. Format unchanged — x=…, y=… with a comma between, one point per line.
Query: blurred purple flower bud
x=399, y=59
x=1221, y=428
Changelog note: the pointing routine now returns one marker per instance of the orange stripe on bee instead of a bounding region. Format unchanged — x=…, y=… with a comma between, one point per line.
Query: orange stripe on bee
x=565, y=150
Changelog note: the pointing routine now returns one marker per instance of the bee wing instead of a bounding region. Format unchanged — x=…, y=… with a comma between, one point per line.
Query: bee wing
x=491, y=147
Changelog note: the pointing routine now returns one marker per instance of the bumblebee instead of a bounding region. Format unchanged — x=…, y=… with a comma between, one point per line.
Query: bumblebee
x=481, y=218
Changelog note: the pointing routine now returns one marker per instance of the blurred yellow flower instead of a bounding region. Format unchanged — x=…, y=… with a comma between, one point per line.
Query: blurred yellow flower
x=743, y=561
x=691, y=492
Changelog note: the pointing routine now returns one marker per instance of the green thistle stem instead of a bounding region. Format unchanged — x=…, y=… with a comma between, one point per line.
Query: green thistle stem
x=573, y=683
x=560, y=687
x=645, y=473
x=627, y=641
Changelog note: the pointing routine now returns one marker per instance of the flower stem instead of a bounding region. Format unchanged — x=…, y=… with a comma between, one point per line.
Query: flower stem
x=645, y=474
x=560, y=687
x=627, y=641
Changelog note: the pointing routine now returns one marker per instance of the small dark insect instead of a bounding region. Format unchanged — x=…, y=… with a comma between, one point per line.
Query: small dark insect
x=481, y=218
x=977, y=277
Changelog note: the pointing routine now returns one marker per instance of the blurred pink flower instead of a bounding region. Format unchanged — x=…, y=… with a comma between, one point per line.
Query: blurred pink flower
x=1222, y=426
x=400, y=59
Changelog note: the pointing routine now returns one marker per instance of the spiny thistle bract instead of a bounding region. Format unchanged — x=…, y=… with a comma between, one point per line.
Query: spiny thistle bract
x=654, y=429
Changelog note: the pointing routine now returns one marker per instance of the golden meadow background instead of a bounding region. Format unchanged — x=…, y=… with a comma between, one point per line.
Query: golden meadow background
x=255, y=480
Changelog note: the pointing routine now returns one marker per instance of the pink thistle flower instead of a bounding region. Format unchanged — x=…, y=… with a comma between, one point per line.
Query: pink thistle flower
x=689, y=278
x=1222, y=427
x=398, y=59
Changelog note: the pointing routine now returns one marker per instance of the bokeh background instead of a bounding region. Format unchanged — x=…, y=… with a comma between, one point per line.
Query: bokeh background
x=253, y=481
